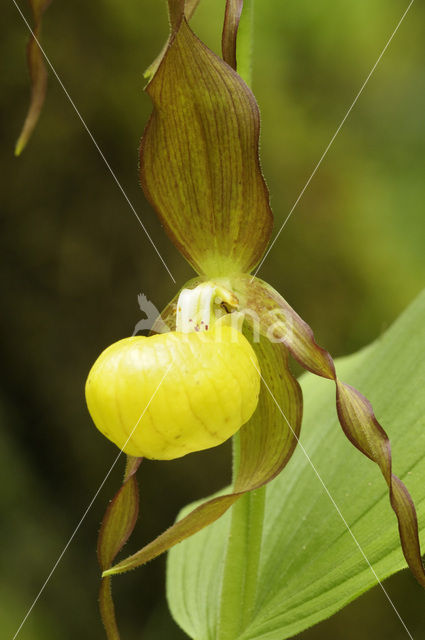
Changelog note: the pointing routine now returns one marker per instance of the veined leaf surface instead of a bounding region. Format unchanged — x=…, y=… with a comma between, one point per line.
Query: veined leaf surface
x=310, y=564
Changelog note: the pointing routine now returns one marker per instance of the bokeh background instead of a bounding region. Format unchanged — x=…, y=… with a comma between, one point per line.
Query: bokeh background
x=74, y=258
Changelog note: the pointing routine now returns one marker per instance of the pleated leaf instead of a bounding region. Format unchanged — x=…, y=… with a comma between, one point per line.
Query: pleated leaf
x=38, y=76
x=310, y=565
x=199, y=163
x=266, y=445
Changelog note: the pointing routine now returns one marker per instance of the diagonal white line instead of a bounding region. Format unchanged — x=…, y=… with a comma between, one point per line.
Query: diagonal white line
x=333, y=502
x=89, y=507
x=111, y=171
x=332, y=140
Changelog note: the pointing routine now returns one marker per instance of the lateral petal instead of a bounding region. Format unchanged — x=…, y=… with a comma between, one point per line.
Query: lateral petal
x=278, y=320
x=38, y=76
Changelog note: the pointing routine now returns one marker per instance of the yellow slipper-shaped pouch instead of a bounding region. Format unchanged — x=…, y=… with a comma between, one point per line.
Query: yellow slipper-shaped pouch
x=170, y=394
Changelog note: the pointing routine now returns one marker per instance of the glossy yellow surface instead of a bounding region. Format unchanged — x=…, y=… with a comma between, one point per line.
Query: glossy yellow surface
x=167, y=395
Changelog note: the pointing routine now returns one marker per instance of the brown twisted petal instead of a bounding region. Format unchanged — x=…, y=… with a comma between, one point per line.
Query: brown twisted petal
x=38, y=76
x=230, y=30
x=355, y=412
x=358, y=421
x=117, y=525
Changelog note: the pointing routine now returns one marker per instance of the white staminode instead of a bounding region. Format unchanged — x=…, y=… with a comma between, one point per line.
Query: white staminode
x=205, y=306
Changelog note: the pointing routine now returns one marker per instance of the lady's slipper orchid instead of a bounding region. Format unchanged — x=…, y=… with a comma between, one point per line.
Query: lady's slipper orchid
x=200, y=171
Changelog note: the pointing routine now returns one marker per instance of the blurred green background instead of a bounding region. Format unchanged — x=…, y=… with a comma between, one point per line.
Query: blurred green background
x=74, y=258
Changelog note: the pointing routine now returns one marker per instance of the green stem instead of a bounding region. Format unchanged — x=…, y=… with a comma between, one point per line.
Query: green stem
x=243, y=552
x=242, y=559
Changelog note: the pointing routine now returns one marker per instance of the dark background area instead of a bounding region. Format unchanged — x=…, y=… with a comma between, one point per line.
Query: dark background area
x=74, y=258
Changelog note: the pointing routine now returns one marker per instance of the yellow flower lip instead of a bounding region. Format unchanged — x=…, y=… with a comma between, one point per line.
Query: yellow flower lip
x=170, y=394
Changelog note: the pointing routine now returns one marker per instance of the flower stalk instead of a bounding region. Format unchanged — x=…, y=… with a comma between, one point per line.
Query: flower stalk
x=243, y=550
x=242, y=558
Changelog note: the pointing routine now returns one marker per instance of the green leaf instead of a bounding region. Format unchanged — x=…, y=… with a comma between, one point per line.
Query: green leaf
x=199, y=163
x=38, y=76
x=310, y=565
